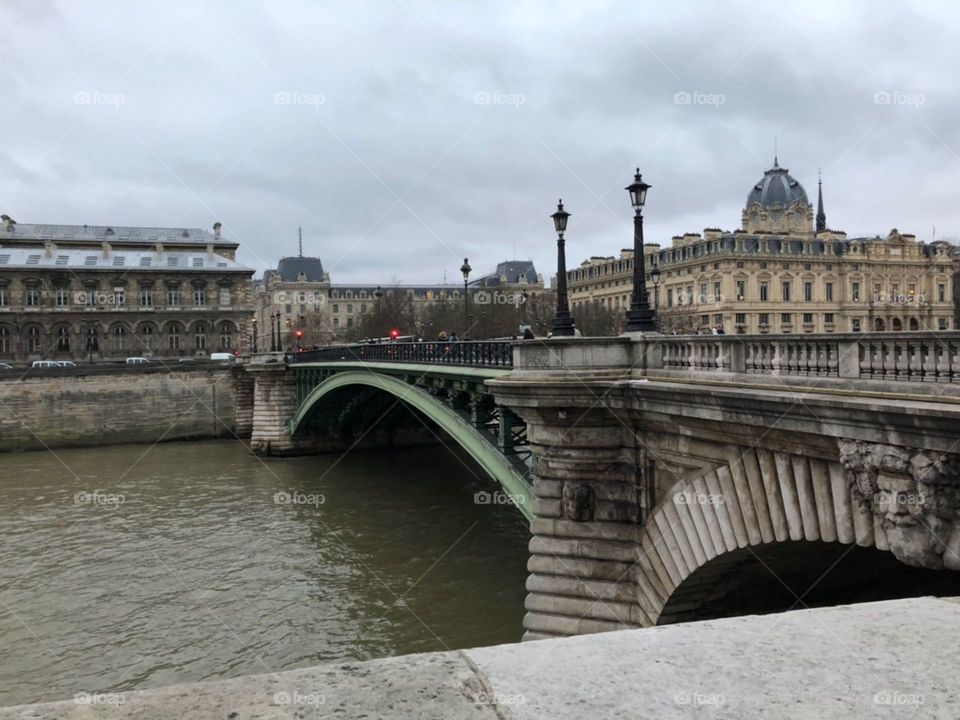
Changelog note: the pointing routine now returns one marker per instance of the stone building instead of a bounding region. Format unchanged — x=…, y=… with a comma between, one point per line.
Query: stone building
x=785, y=271
x=308, y=300
x=86, y=292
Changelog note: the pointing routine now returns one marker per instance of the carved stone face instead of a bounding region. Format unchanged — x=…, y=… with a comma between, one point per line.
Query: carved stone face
x=915, y=497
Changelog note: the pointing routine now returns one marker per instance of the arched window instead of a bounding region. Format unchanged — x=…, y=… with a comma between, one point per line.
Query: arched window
x=174, y=332
x=146, y=337
x=63, y=339
x=226, y=337
x=200, y=337
x=914, y=324
x=897, y=324
x=33, y=339
x=119, y=338
x=92, y=341
x=4, y=341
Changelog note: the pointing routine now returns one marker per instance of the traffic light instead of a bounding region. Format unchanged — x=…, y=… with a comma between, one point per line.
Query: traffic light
x=299, y=333
x=394, y=334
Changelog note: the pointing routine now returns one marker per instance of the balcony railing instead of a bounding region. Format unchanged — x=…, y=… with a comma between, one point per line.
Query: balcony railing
x=487, y=354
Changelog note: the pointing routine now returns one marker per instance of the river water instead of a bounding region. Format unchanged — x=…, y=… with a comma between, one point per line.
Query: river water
x=126, y=567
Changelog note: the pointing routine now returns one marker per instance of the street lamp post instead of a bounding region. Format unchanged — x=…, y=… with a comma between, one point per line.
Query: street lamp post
x=465, y=269
x=254, y=335
x=639, y=316
x=655, y=277
x=562, y=320
x=279, y=336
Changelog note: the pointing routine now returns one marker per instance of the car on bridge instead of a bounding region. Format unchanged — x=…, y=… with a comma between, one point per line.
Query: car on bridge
x=137, y=361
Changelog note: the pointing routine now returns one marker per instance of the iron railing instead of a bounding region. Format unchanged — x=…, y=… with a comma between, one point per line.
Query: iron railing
x=473, y=353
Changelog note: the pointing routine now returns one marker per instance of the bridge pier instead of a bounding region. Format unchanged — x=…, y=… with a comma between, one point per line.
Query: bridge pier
x=274, y=403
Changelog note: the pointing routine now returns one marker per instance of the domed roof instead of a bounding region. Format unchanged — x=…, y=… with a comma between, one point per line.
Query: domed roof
x=777, y=188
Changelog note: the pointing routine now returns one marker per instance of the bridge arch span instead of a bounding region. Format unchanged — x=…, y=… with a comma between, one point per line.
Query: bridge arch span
x=764, y=502
x=484, y=452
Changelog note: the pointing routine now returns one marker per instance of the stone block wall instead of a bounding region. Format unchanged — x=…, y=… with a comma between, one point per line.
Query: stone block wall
x=98, y=406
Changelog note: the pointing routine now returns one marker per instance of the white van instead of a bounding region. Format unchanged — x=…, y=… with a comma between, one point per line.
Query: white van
x=222, y=357
x=46, y=364
x=137, y=361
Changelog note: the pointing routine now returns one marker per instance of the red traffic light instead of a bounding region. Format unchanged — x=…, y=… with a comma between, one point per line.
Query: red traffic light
x=394, y=334
x=299, y=333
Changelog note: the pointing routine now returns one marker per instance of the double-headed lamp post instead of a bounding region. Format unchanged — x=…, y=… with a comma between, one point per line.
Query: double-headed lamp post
x=562, y=320
x=465, y=269
x=639, y=316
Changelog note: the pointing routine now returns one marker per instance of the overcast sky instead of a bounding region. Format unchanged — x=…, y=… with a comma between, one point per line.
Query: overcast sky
x=404, y=136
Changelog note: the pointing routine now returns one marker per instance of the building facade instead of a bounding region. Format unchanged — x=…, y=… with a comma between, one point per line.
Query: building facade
x=785, y=271
x=87, y=293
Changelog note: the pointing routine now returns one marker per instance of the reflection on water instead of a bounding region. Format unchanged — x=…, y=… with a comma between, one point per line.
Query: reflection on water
x=129, y=567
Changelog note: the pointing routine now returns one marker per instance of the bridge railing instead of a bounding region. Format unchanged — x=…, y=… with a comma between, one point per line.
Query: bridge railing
x=471, y=353
x=909, y=356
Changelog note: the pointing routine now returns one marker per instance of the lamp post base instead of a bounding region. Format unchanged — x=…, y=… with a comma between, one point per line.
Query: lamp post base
x=640, y=320
x=563, y=326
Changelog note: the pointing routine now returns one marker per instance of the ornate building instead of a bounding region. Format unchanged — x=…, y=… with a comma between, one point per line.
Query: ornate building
x=86, y=292
x=785, y=271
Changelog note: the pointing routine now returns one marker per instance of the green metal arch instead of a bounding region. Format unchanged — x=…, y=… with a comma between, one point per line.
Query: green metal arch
x=469, y=438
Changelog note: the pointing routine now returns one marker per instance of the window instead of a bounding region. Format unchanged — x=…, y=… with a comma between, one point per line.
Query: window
x=704, y=319
x=855, y=325
x=33, y=297
x=200, y=337
x=63, y=339
x=741, y=318
x=828, y=318
x=4, y=341
x=855, y=291
x=119, y=338
x=336, y=322
x=807, y=266
x=786, y=291
x=288, y=309
x=741, y=289
x=807, y=318
x=763, y=290
x=703, y=293
x=942, y=323
x=199, y=296
x=669, y=297
x=173, y=337
x=785, y=318
x=828, y=289
x=336, y=309
x=349, y=307
x=739, y=264
x=146, y=297
x=718, y=319
x=808, y=291
x=716, y=292
x=225, y=298
x=941, y=294
x=146, y=337
x=119, y=299
x=4, y=297
x=33, y=339
x=349, y=322
x=62, y=297
x=226, y=337
x=764, y=318
x=173, y=298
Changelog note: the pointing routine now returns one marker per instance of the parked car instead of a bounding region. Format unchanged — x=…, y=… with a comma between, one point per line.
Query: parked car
x=185, y=359
x=45, y=364
x=5, y=366
x=66, y=364
x=222, y=357
x=137, y=361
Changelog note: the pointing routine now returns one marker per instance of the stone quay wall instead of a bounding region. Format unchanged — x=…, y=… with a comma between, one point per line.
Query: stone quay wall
x=92, y=406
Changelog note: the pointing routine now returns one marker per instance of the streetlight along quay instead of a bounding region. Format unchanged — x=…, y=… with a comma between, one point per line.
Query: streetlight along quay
x=639, y=316
x=465, y=269
x=562, y=320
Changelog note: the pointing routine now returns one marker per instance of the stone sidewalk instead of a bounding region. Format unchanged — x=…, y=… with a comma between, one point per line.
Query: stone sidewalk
x=894, y=659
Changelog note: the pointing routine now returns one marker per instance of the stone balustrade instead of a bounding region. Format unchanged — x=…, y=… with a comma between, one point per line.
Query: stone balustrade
x=913, y=357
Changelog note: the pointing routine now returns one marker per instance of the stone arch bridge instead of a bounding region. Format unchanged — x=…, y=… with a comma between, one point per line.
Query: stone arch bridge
x=684, y=477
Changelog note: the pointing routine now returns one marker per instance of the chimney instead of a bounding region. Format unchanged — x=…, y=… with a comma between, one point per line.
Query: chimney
x=216, y=229
x=8, y=222
x=106, y=249
x=48, y=248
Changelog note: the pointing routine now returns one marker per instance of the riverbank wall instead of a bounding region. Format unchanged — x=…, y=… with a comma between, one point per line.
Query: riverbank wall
x=85, y=407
